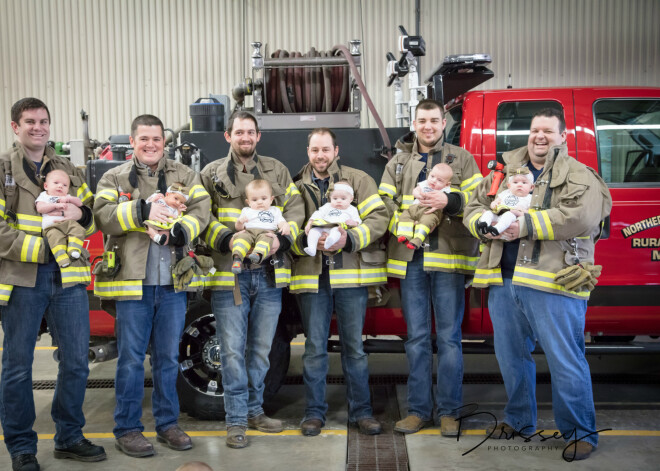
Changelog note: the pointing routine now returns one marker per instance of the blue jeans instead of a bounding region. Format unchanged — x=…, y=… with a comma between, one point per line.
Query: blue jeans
x=67, y=314
x=446, y=292
x=351, y=306
x=245, y=333
x=157, y=319
x=521, y=316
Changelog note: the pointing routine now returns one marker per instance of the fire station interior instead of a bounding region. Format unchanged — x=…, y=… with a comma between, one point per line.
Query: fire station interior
x=290, y=94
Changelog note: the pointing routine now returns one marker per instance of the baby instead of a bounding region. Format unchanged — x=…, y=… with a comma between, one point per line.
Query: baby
x=414, y=223
x=516, y=198
x=258, y=221
x=174, y=200
x=65, y=237
x=329, y=216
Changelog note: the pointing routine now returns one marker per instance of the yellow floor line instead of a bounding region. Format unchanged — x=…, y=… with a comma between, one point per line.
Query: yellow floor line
x=39, y=348
x=343, y=433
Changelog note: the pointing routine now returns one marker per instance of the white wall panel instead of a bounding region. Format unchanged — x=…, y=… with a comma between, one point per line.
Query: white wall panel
x=119, y=58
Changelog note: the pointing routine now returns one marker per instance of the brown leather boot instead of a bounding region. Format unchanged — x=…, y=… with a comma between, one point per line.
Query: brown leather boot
x=175, y=438
x=134, y=444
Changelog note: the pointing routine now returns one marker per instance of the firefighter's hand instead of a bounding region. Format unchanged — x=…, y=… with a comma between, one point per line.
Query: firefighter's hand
x=320, y=245
x=434, y=200
x=160, y=213
x=72, y=212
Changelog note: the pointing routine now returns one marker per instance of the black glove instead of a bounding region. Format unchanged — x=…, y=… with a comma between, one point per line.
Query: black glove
x=177, y=236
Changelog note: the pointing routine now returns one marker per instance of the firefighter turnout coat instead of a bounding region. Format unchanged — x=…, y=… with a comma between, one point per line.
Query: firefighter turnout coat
x=226, y=184
x=364, y=264
x=450, y=247
x=118, y=213
x=22, y=246
x=569, y=201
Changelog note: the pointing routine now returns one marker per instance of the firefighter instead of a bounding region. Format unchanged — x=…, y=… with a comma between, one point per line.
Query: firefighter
x=137, y=275
x=31, y=285
x=339, y=277
x=247, y=306
x=540, y=272
x=437, y=271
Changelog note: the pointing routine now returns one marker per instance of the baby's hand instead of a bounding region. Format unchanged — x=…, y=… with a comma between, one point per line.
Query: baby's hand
x=494, y=204
x=351, y=222
x=284, y=228
x=308, y=226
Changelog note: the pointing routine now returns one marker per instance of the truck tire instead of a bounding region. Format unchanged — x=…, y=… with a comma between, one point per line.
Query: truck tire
x=199, y=383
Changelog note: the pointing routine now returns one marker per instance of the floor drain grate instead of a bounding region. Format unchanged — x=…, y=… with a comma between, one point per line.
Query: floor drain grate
x=91, y=384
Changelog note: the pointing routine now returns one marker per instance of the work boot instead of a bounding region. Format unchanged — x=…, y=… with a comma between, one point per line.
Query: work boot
x=501, y=430
x=311, y=427
x=236, y=437
x=265, y=424
x=25, y=462
x=175, y=438
x=577, y=450
x=84, y=450
x=369, y=426
x=411, y=424
x=134, y=444
x=448, y=426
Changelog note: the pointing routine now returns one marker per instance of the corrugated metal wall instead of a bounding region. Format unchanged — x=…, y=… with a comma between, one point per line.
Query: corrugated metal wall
x=119, y=58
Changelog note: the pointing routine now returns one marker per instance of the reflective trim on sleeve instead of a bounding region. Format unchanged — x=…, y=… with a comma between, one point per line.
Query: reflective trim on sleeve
x=125, y=215
x=118, y=289
x=385, y=189
x=472, y=225
x=364, y=235
x=2, y=210
x=91, y=229
x=84, y=194
x=191, y=224
x=469, y=184
x=407, y=201
x=369, y=205
x=196, y=191
x=542, y=225
x=421, y=231
x=28, y=223
x=108, y=194
x=30, y=248
x=394, y=222
x=295, y=229
x=213, y=230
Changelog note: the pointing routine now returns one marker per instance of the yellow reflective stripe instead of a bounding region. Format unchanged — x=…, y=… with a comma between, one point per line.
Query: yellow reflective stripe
x=405, y=228
x=472, y=224
x=192, y=225
x=471, y=183
x=396, y=267
x=542, y=224
x=125, y=215
x=227, y=214
x=220, y=278
x=83, y=193
x=28, y=223
x=196, y=191
x=262, y=247
x=385, y=189
x=75, y=241
x=369, y=205
x=421, y=231
x=358, y=276
x=487, y=276
x=407, y=201
x=91, y=229
x=304, y=282
x=364, y=235
x=108, y=194
x=30, y=248
x=5, y=292
x=450, y=261
x=212, y=232
x=282, y=276
x=106, y=289
x=291, y=191
x=2, y=210
x=295, y=229
x=241, y=247
x=75, y=275
x=532, y=277
x=394, y=220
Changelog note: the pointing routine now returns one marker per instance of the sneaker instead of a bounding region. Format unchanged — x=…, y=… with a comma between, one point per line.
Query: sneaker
x=411, y=424
x=236, y=437
x=449, y=426
x=577, y=450
x=481, y=227
x=134, y=444
x=74, y=254
x=175, y=438
x=25, y=462
x=501, y=430
x=237, y=266
x=255, y=258
x=311, y=427
x=369, y=426
x=84, y=450
x=263, y=423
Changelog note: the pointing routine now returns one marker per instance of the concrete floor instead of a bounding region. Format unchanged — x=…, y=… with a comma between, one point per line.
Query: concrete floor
x=631, y=411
